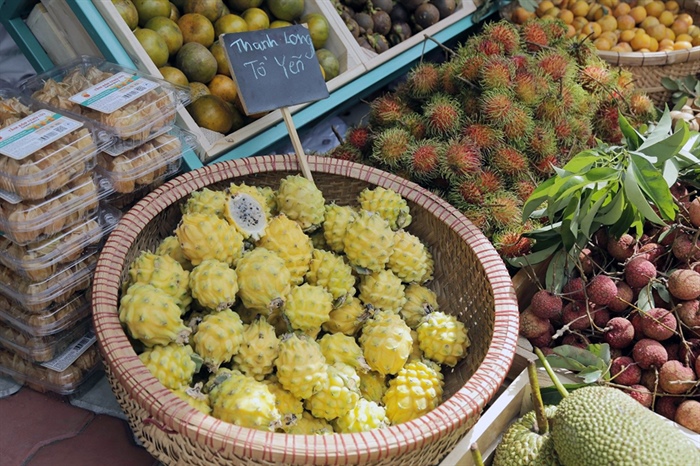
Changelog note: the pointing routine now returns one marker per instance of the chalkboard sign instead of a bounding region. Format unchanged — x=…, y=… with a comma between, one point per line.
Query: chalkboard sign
x=274, y=68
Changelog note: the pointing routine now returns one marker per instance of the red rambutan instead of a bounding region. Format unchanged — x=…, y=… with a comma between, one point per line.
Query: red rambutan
x=520, y=61
x=496, y=105
x=518, y=124
x=489, y=181
x=470, y=67
x=534, y=35
x=511, y=243
x=443, y=115
x=505, y=34
x=449, y=77
x=461, y=158
x=563, y=129
x=526, y=89
x=523, y=189
x=549, y=109
x=555, y=64
x=346, y=151
x=489, y=46
x=415, y=124
x=509, y=161
x=546, y=165
x=359, y=137
x=497, y=73
x=390, y=145
x=543, y=141
x=485, y=137
x=595, y=77
x=386, y=110
x=555, y=29
x=423, y=159
x=504, y=209
x=642, y=106
x=423, y=80
x=466, y=192
x=479, y=216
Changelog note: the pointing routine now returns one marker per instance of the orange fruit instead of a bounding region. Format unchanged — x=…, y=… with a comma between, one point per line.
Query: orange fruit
x=694, y=31
x=607, y=23
x=593, y=29
x=696, y=41
x=626, y=36
x=211, y=9
x=621, y=47
x=682, y=45
x=653, y=45
x=579, y=23
x=229, y=23
x=154, y=44
x=256, y=19
x=174, y=12
x=670, y=34
x=570, y=31
x=664, y=43
x=520, y=15
x=551, y=13
x=672, y=6
x=648, y=22
x=655, y=8
x=197, y=90
x=685, y=17
x=567, y=16
x=329, y=63
x=286, y=10
x=622, y=9
x=168, y=30
x=666, y=18
x=601, y=43
x=280, y=24
x=213, y=113
x=318, y=28
x=543, y=7
x=684, y=38
x=224, y=87
x=196, y=28
x=625, y=22
x=219, y=53
x=640, y=41
x=658, y=32
x=580, y=8
x=197, y=62
x=174, y=75
x=128, y=12
x=148, y=9
x=638, y=13
x=679, y=27
x=611, y=36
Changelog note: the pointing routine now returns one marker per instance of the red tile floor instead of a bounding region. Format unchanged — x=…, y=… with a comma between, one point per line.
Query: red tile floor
x=39, y=429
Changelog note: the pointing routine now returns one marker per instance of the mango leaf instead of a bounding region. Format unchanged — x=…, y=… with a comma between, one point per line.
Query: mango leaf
x=574, y=183
x=590, y=215
x=623, y=223
x=551, y=396
x=645, y=301
x=670, y=171
x=538, y=196
x=653, y=185
x=601, y=350
x=582, y=161
x=632, y=137
x=601, y=174
x=636, y=197
x=667, y=147
x=554, y=276
x=611, y=212
x=569, y=222
x=590, y=374
x=580, y=355
x=535, y=257
x=663, y=128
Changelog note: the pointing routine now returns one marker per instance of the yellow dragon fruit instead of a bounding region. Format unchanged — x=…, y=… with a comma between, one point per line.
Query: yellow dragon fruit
x=419, y=302
x=430, y=268
x=373, y=385
x=214, y=285
x=263, y=280
x=259, y=349
x=347, y=318
x=244, y=401
x=308, y=307
x=218, y=338
x=388, y=204
x=331, y=272
x=300, y=200
x=386, y=342
x=247, y=213
x=335, y=224
x=205, y=237
x=164, y=273
x=368, y=242
x=265, y=196
x=152, y=316
x=443, y=338
x=409, y=258
x=301, y=366
x=383, y=290
x=338, y=396
x=307, y=424
x=416, y=352
x=205, y=201
x=173, y=365
x=337, y=347
x=194, y=397
x=289, y=406
x=170, y=246
x=364, y=416
x=284, y=237
x=416, y=390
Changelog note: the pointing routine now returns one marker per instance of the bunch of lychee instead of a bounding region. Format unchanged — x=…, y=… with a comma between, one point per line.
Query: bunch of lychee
x=642, y=297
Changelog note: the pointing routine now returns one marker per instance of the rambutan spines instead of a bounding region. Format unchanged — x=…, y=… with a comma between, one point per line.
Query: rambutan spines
x=415, y=124
x=511, y=242
x=386, y=110
x=466, y=192
x=526, y=88
x=504, y=34
x=461, y=157
x=485, y=137
x=390, y=145
x=496, y=105
x=422, y=159
x=543, y=141
x=596, y=78
x=517, y=126
x=523, y=189
x=423, y=80
x=534, y=36
x=509, y=161
x=359, y=137
x=443, y=115
x=497, y=73
x=469, y=67
x=346, y=151
x=642, y=107
x=555, y=64
x=555, y=29
x=489, y=181
x=504, y=208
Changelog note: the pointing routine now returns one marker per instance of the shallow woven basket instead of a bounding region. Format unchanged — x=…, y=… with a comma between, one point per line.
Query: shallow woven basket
x=470, y=281
x=648, y=68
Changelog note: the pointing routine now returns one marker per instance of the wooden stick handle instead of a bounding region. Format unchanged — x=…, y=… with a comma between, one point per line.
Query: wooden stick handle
x=301, y=157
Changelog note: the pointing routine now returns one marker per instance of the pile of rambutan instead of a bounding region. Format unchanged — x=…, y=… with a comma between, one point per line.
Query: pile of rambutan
x=485, y=127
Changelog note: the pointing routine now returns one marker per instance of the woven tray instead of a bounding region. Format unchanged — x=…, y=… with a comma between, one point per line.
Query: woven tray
x=470, y=281
x=648, y=68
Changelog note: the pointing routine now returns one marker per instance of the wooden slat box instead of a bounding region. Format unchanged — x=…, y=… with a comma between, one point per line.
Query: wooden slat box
x=340, y=43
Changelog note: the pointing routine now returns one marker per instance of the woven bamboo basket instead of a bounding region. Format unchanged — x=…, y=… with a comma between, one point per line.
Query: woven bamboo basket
x=470, y=281
x=648, y=68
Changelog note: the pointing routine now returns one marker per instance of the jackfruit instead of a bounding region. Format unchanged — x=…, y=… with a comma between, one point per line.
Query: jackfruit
x=523, y=445
x=602, y=425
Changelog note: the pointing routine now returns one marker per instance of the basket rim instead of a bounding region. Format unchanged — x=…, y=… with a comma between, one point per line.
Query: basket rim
x=651, y=58
x=172, y=414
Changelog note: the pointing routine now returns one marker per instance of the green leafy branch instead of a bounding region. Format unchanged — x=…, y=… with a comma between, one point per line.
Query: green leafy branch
x=620, y=187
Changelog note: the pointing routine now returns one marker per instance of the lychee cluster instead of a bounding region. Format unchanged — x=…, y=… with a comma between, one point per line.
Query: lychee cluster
x=484, y=128
x=641, y=296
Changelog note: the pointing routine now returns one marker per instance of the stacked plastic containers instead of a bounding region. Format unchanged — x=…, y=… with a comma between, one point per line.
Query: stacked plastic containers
x=76, y=145
x=135, y=112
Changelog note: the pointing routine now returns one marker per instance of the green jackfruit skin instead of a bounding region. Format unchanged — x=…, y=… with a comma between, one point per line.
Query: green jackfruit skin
x=521, y=445
x=596, y=426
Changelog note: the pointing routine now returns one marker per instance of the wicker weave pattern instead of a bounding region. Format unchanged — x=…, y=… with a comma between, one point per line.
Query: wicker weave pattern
x=470, y=282
x=649, y=67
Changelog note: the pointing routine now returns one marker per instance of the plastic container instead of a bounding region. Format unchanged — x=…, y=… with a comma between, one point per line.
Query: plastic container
x=55, y=319
x=56, y=376
x=128, y=104
x=42, y=348
x=147, y=163
x=41, y=150
x=37, y=296
x=39, y=260
x=30, y=221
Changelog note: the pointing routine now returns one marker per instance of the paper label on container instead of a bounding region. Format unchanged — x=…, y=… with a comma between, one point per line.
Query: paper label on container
x=63, y=361
x=114, y=92
x=34, y=132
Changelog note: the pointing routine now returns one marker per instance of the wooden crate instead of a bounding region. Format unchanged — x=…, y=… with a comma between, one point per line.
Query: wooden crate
x=513, y=402
x=372, y=59
x=340, y=43
x=51, y=37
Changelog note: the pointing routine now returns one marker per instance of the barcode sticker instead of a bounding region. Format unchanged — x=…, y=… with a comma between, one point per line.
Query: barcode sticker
x=30, y=134
x=63, y=361
x=114, y=92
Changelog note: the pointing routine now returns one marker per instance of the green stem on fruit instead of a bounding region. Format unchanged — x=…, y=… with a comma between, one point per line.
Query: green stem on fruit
x=537, y=402
x=476, y=455
x=555, y=380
